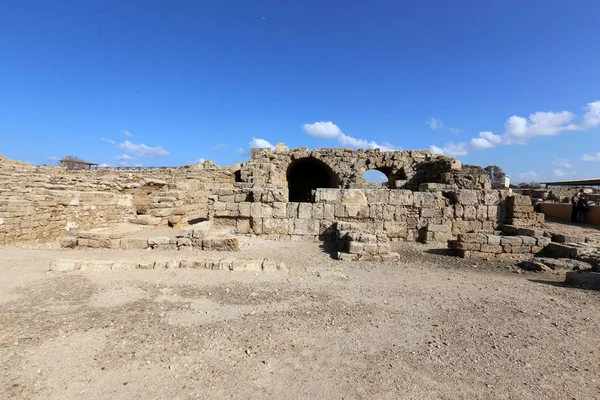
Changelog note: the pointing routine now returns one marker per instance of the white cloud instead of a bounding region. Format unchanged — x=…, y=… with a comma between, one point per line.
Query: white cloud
x=451, y=149
x=126, y=133
x=199, y=161
x=219, y=146
x=455, y=130
x=240, y=152
x=519, y=129
x=322, y=129
x=435, y=123
x=329, y=130
x=142, y=150
x=107, y=140
x=123, y=157
x=562, y=162
x=257, y=143
x=486, y=140
x=592, y=116
x=560, y=173
x=52, y=158
x=593, y=157
x=528, y=176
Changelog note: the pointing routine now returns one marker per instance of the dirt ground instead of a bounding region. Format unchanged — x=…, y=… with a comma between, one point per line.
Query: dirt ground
x=428, y=327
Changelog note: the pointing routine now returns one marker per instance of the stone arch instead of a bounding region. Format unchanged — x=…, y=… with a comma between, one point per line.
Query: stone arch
x=306, y=174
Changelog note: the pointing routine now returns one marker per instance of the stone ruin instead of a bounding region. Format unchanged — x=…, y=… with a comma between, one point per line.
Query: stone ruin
x=280, y=193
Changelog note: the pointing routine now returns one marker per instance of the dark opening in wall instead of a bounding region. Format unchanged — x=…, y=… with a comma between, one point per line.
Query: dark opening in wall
x=307, y=174
x=237, y=175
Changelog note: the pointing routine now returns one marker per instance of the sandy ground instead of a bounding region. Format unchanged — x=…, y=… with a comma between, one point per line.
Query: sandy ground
x=427, y=327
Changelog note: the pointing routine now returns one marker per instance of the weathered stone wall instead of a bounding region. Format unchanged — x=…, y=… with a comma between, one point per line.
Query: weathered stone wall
x=404, y=169
x=401, y=214
x=43, y=203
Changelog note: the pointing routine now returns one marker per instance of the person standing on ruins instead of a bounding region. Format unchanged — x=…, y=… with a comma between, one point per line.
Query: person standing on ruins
x=574, y=206
x=582, y=208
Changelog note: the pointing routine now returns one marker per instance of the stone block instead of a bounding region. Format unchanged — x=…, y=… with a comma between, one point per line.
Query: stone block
x=371, y=248
x=64, y=265
x=377, y=196
x=305, y=211
x=292, y=210
x=329, y=212
x=244, y=209
x=473, y=238
x=529, y=232
x=520, y=249
x=491, y=248
x=512, y=240
x=124, y=265
x=467, y=197
x=589, y=280
x=347, y=257
x=184, y=242
x=467, y=246
x=440, y=228
x=279, y=210
x=306, y=227
x=529, y=241
x=355, y=247
x=469, y=213
x=543, y=241
x=68, y=243
x=242, y=226
x=275, y=226
x=247, y=265
x=256, y=210
x=193, y=264
x=401, y=197
x=353, y=197
x=133, y=244
x=269, y=265
x=221, y=244
x=327, y=195
x=96, y=265
x=159, y=241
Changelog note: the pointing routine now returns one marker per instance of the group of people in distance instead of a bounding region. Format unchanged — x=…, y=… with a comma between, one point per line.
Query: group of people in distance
x=579, y=207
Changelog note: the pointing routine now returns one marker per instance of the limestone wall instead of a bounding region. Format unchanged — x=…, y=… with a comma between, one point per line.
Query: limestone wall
x=401, y=214
x=404, y=169
x=43, y=203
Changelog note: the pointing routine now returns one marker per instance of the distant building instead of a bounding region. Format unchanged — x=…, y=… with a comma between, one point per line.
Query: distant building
x=506, y=181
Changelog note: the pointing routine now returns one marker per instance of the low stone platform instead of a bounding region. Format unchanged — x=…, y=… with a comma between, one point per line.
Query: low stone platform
x=227, y=263
x=484, y=246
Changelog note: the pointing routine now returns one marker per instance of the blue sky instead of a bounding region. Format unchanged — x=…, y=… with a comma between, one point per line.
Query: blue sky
x=512, y=83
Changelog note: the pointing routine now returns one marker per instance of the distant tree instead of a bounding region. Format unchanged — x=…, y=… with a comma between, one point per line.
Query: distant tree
x=496, y=175
x=71, y=162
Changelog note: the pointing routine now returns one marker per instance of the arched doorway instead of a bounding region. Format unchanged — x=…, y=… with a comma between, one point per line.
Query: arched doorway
x=307, y=174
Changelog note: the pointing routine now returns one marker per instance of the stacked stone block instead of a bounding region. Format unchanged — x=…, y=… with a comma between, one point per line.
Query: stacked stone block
x=491, y=246
x=520, y=212
x=356, y=245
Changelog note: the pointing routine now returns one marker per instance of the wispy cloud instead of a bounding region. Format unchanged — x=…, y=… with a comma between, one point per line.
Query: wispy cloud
x=52, y=158
x=108, y=141
x=451, y=149
x=562, y=162
x=124, y=157
x=329, y=130
x=455, y=130
x=561, y=174
x=219, y=146
x=127, y=133
x=142, y=150
x=240, y=152
x=435, y=123
x=528, y=176
x=592, y=157
x=200, y=161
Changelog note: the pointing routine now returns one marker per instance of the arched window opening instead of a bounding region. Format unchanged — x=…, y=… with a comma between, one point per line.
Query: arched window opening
x=377, y=177
x=307, y=174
